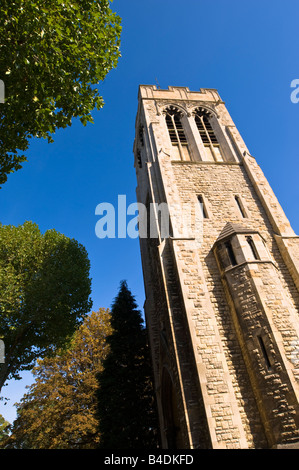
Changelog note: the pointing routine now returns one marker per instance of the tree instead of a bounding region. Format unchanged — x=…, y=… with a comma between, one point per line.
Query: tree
x=126, y=407
x=59, y=411
x=53, y=53
x=44, y=294
x=3, y=429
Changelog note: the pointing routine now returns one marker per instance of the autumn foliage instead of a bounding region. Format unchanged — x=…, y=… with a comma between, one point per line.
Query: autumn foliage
x=59, y=410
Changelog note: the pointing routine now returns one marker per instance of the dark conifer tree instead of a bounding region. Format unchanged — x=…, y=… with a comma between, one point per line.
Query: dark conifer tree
x=126, y=405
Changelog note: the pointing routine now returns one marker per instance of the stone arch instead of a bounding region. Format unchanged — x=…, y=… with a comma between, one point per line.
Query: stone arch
x=174, y=109
x=205, y=111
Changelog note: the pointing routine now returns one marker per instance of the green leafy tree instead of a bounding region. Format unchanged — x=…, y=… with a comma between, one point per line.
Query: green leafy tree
x=53, y=54
x=126, y=407
x=44, y=294
x=60, y=409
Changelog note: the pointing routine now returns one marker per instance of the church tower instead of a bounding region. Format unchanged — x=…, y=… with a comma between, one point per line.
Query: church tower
x=221, y=273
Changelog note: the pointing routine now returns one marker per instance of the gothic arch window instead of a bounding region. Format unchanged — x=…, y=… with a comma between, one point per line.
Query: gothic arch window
x=177, y=134
x=207, y=134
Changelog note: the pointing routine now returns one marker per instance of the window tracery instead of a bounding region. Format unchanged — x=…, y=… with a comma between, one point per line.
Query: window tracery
x=207, y=134
x=176, y=132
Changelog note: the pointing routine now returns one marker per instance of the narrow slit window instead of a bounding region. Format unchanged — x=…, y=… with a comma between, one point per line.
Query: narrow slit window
x=203, y=207
x=240, y=206
x=252, y=247
x=231, y=253
x=264, y=352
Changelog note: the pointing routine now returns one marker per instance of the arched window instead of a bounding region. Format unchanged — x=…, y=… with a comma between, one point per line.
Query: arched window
x=177, y=134
x=207, y=135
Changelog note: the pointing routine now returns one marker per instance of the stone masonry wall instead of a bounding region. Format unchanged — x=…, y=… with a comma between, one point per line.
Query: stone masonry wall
x=261, y=310
x=219, y=183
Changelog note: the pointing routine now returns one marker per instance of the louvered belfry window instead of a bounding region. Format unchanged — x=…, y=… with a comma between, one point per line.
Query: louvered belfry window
x=208, y=136
x=177, y=134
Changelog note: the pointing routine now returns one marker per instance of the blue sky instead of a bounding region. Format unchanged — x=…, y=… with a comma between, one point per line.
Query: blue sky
x=247, y=50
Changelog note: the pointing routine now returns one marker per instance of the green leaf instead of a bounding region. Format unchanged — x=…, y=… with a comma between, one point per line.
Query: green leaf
x=47, y=50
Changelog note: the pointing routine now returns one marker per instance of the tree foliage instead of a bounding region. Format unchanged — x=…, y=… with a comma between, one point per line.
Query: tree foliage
x=126, y=406
x=59, y=411
x=3, y=429
x=44, y=294
x=53, y=53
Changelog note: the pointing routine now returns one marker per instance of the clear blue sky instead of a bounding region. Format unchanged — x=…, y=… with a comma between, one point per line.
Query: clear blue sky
x=248, y=50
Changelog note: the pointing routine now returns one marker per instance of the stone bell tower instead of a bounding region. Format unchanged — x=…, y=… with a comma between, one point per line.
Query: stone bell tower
x=222, y=286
